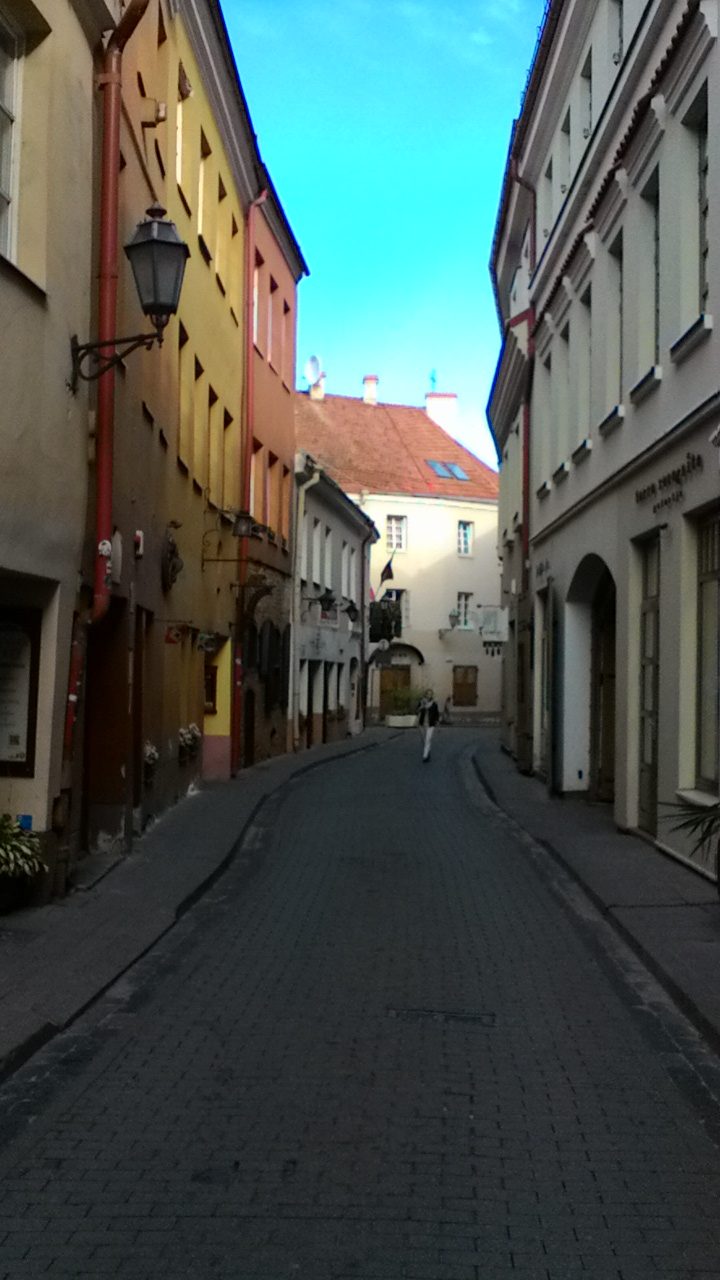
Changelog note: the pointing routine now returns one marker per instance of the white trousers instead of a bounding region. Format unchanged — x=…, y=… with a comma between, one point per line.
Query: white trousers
x=428, y=730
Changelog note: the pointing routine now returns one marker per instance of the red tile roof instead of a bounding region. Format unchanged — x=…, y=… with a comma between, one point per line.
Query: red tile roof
x=384, y=448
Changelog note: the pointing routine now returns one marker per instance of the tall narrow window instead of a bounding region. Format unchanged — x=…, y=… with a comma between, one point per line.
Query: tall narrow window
x=708, y=676
x=465, y=532
x=205, y=199
x=9, y=54
x=586, y=97
x=584, y=367
x=617, y=41
x=353, y=592
x=257, y=295
x=345, y=570
x=316, y=552
x=396, y=533
x=702, y=146
x=648, y=300
x=464, y=600
x=185, y=400
x=615, y=321
x=304, y=539
x=565, y=156
x=328, y=559
x=271, y=303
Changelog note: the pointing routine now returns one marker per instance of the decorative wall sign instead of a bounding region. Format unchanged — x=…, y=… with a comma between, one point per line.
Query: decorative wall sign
x=668, y=490
x=19, y=667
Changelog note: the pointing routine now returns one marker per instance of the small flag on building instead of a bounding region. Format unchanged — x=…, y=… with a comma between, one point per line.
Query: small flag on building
x=387, y=574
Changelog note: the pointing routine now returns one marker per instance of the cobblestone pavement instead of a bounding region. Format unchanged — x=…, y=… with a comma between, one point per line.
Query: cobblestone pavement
x=393, y=1041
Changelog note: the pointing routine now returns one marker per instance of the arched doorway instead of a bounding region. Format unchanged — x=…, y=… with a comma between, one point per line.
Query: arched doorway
x=589, y=681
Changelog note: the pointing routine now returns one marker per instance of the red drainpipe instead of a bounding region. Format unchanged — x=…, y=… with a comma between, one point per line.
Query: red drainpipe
x=110, y=81
x=249, y=426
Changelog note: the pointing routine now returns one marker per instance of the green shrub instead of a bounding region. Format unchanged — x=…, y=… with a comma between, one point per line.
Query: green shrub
x=19, y=850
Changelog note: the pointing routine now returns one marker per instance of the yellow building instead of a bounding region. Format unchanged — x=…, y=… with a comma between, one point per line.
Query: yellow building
x=122, y=609
x=161, y=662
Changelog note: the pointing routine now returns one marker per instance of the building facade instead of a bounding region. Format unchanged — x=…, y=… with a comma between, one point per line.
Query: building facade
x=46, y=286
x=435, y=507
x=330, y=616
x=605, y=408
x=132, y=612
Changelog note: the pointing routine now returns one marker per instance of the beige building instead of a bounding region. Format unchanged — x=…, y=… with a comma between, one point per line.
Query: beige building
x=435, y=507
x=46, y=294
x=330, y=613
x=605, y=408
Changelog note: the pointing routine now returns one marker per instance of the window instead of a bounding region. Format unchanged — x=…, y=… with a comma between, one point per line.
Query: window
x=317, y=535
x=708, y=676
x=328, y=560
x=447, y=470
x=304, y=546
x=701, y=133
x=9, y=56
x=456, y=471
x=398, y=596
x=465, y=535
x=256, y=298
x=586, y=96
x=615, y=318
x=270, y=320
x=464, y=601
x=345, y=571
x=396, y=533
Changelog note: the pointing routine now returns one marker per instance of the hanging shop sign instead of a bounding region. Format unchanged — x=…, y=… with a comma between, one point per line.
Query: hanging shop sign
x=669, y=489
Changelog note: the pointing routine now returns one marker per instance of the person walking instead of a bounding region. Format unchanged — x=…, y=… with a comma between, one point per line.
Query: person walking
x=428, y=716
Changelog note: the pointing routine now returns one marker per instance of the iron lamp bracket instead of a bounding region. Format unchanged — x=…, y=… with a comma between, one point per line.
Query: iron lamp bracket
x=83, y=351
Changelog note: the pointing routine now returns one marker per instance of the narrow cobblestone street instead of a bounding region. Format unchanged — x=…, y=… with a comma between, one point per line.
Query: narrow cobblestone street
x=393, y=1041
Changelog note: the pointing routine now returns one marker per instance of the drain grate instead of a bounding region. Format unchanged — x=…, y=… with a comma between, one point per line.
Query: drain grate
x=475, y=1019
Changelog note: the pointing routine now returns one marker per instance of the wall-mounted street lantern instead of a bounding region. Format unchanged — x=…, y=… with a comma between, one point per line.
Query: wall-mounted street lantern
x=453, y=619
x=157, y=256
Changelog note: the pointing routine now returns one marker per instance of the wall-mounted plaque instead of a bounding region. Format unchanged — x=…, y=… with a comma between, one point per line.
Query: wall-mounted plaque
x=19, y=667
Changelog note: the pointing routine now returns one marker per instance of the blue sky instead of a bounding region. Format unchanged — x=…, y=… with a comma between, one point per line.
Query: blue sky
x=385, y=125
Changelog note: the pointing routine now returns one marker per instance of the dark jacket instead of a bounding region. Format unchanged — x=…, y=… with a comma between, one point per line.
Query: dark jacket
x=431, y=710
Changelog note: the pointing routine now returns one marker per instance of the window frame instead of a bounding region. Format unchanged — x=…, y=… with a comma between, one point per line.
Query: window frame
x=399, y=523
x=9, y=108
x=465, y=526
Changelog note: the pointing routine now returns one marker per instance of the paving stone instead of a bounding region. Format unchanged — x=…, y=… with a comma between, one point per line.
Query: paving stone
x=402, y=1050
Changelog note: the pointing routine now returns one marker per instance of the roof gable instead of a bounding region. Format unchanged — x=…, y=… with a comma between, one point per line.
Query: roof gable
x=388, y=448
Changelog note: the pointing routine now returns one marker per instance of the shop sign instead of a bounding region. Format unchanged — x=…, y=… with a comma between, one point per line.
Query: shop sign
x=19, y=663
x=668, y=490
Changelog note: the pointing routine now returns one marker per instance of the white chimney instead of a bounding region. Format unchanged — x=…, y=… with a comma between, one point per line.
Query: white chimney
x=442, y=408
x=317, y=389
x=370, y=385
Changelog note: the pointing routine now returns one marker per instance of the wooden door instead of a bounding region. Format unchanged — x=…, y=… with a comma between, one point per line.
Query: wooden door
x=649, y=681
x=602, y=737
x=465, y=686
x=392, y=678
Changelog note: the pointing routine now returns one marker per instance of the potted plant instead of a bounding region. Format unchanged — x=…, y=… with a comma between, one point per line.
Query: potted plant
x=20, y=863
x=700, y=822
x=402, y=713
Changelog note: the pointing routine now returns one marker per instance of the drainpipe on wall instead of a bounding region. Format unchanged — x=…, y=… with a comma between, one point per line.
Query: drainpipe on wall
x=110, y=82
x=302, y=488
x=248, y=424
x=364, y=674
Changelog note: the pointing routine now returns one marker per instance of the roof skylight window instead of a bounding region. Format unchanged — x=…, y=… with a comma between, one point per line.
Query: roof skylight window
x=439, y=468
x=456, y=470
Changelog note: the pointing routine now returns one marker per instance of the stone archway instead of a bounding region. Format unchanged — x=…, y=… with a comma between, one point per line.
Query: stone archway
x=589, y=681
